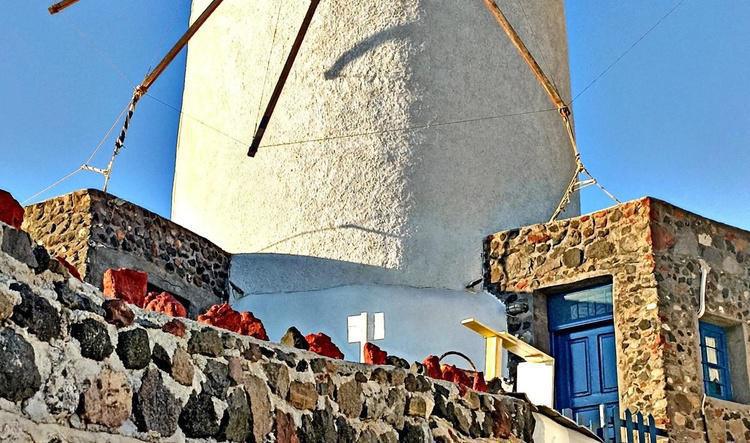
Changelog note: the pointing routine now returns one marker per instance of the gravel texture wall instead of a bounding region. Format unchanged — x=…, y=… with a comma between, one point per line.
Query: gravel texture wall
x=74, y=367
x=95, y=231
x=651, y=252
x=410, y=206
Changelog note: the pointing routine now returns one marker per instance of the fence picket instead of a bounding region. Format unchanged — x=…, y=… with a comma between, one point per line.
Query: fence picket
x=617, y=427
x=641, y=428
x=629, y=425
x=651, y=428
x=632, y=423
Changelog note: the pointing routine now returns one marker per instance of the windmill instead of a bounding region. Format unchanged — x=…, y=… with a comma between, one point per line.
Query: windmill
x=581, y=179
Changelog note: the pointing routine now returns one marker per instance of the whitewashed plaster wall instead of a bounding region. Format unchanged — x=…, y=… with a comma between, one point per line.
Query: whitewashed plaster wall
x=548, y=431
x=411, y=207
x=418, y=322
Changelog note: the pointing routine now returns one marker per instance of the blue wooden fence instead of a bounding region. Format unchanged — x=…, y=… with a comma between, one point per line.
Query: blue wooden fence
x=635, y=425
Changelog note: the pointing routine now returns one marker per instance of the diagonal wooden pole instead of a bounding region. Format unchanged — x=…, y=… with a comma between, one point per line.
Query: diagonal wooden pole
x=258, y=137
x=59, y=6
x=157, y=71
x=549, y=88
x=147, y=82
x=564, y=110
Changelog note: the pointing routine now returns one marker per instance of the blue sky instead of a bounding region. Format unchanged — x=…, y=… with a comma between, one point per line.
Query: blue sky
x=669, y=120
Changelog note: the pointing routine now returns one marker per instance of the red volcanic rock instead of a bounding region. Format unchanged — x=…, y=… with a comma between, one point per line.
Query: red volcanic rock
x=322, y=344
x=126, y=284
x=374, y=355
x=432, y=366
x=463, y=378
x=479, y=384
x=456, y=375
x=11, y=212
x=150, y=296
x=72, y=269
x=174, y=327
x=166, y=304
x=117, y=312
x=245, y=323
x=251, y=326
x=221, y=316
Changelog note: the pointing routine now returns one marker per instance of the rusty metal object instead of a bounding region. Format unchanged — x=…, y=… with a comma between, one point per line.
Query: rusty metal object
x=459, y=354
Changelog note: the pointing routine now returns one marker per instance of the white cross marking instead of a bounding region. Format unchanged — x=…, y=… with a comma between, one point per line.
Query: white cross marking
x=360, y=330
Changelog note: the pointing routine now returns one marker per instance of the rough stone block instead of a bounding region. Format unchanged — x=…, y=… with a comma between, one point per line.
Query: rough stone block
x=18, y=245
x=156, y=409
x=374, y=355
x=349, y=398
x=174, y=327
x=93, y=338
x=133, y=348
x=11, y=212
x=166, y=303
x=126, y=284
x=206, y=342
x=19, y=376
x=198, y=418
x=235, y=425
x=303, y=395
x=117, y=312
x=36, y=314
x=295, y=339
x=108, y=400
x=321, y=344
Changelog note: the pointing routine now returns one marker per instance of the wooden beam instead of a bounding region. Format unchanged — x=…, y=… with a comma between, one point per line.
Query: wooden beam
x=59, y=6
x=258, y=137
x=496, y=341
x=549, y=88
x=159, y=69
x=142, y=89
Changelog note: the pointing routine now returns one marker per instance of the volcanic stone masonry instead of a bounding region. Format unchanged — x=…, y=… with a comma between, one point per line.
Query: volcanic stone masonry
x=76, y=367
x=95, y=231
x=651, y=251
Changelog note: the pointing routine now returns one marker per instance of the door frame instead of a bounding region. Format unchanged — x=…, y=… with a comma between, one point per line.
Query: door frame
x=553, y=332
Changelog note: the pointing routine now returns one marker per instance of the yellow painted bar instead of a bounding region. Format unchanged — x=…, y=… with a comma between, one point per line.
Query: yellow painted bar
x=493, y=357
x=495, y=341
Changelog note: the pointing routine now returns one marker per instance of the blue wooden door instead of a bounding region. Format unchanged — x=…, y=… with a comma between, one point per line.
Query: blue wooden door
x=583, y=344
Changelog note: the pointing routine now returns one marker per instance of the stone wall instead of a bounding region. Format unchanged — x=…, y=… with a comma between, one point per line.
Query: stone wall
x=74, y=367
x=650, y=251
x=681, y=241
x=95, y=231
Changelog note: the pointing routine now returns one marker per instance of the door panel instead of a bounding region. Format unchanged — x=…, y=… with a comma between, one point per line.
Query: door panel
x=608, y=362
x=579, y=358
x=587, y=371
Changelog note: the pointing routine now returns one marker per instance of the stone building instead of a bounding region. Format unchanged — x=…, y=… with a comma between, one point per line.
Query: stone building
x=643, y=305
x=94, y=231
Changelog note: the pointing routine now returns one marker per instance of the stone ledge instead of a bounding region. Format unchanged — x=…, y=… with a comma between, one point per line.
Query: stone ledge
x=95, y=231
x=138, y=382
